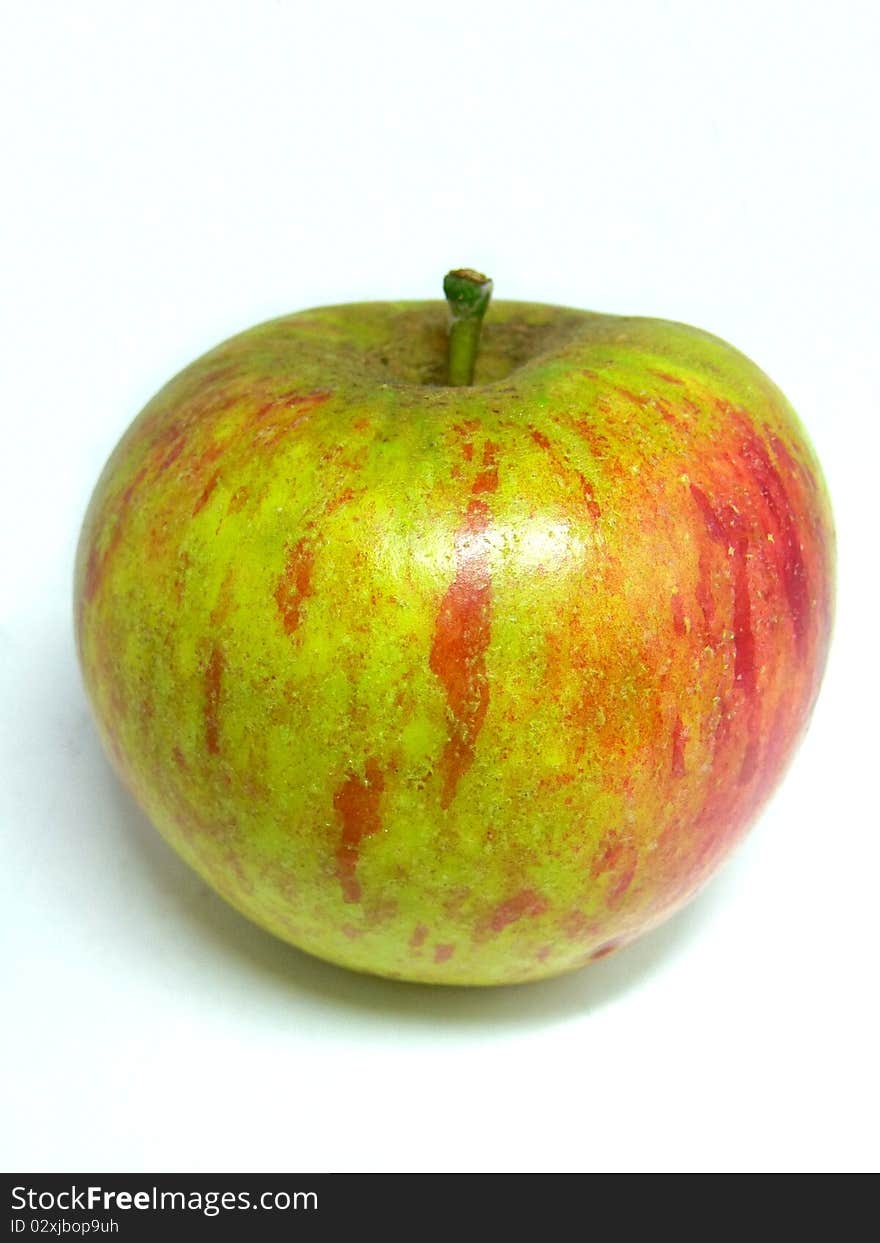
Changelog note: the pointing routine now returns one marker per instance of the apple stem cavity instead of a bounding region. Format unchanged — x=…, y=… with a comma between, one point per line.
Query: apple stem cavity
x=467, y=293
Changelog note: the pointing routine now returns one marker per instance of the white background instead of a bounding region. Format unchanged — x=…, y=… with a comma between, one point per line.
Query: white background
x=176, y=171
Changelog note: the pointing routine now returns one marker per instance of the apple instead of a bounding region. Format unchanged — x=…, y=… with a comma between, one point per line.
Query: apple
x=452, y=681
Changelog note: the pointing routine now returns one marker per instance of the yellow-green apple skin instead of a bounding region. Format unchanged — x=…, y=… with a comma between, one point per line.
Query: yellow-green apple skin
x=459, y=685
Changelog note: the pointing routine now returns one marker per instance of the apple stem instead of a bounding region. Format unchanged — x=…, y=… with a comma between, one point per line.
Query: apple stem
x=468, y=294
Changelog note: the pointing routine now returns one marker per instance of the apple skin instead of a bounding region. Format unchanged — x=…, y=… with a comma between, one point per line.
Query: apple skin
x=466, y=686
